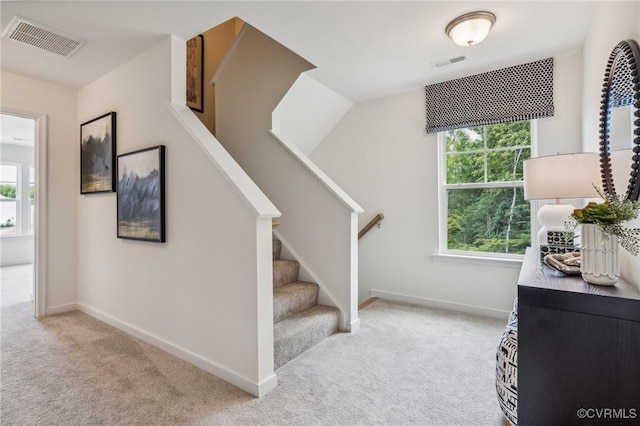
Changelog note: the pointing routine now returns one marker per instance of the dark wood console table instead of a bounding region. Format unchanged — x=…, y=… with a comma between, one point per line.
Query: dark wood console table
x=578, y=349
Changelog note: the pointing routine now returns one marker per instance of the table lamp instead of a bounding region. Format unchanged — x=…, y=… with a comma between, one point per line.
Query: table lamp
x=558, y=177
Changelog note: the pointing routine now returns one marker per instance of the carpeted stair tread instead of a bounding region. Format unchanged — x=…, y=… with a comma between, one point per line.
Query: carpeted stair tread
x=289, y=299
x=277, y=247
x=299, y=332
x=285, y=271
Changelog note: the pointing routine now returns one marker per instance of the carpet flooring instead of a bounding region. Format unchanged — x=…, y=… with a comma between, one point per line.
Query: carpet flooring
x=407, y=365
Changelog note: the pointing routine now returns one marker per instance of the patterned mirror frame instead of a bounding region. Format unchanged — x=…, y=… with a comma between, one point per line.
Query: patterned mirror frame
x=626, y=57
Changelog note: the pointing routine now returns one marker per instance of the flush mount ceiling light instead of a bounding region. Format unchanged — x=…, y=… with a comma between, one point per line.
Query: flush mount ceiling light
x=470, y=28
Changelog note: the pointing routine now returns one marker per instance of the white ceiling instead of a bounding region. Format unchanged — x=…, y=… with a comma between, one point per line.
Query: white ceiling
x=15, y=130
x=361, y=49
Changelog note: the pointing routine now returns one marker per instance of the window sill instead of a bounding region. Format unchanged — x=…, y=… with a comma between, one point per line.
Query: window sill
x=15, y=235
x=488, y=260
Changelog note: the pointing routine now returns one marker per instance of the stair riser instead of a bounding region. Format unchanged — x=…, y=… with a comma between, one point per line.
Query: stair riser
x=299, y=322
x=289, y=299
x=277, y=248
x=287, y=348
x=285, y=271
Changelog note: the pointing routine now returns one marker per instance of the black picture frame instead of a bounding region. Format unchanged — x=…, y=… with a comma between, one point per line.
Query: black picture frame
x=98, y=154
x=141, y=195
x=195, y=73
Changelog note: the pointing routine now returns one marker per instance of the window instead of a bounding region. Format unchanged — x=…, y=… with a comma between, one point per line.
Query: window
x=482, y=208
x=9, y=199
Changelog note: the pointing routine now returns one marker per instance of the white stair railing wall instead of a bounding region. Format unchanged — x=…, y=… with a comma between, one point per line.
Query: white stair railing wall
x=319, y=220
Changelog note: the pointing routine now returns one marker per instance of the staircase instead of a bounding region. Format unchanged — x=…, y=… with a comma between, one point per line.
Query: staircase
x=299, y=322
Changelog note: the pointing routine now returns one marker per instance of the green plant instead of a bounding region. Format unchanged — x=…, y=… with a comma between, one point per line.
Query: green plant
x=8, y=224
x=8, y=191
x=609, y=216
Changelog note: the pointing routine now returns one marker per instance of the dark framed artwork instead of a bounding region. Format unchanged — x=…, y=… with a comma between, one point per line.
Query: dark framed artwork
x=98, y=154
x=195, y=73
x=141, y=200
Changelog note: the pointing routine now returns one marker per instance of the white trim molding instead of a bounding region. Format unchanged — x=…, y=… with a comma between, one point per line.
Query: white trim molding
x=486, y=260
x=40, y=232
x=62, y=309
x=256, y=389
x=440, y=304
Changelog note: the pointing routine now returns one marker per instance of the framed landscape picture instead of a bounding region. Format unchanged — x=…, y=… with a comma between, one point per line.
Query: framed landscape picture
x=195, y=73
x=98, y=154
x=141, y=200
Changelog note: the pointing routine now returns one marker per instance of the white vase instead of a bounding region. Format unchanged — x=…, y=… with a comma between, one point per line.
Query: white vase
x=599, y=262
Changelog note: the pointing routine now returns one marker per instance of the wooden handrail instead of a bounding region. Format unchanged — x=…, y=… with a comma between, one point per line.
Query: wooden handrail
x=370, y=225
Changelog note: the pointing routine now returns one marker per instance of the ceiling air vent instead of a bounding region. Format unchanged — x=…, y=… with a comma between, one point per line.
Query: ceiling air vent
x=43, y=37
x=448, y=62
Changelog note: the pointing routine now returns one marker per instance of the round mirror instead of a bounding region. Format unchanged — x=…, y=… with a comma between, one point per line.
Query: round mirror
x=620, y=117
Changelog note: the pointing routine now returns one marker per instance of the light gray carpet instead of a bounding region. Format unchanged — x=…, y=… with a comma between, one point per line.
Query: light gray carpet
x=407, y=365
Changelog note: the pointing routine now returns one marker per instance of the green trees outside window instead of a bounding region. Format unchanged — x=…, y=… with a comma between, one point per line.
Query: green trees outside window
x=8, y=199
x=485, y=207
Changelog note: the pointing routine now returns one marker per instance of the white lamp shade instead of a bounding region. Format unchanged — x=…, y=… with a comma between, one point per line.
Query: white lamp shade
x=562, y=176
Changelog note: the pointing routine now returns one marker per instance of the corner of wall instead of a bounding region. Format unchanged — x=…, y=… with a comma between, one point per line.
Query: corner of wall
x=178, y=71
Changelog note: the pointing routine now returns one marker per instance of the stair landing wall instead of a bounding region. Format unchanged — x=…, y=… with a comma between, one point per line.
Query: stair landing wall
x=318, y=227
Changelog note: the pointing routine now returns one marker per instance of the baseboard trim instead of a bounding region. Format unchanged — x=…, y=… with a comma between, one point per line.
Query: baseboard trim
x=367, y=303
x=451, y=306
x=61, y=309
x=267, y=385
x=353, y=327
x=256, y=389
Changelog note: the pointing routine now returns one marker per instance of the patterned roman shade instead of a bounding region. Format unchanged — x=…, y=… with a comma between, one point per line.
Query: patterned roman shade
x=521, y=92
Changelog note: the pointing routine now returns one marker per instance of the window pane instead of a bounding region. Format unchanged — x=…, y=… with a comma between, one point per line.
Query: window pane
x=8, y=173
x=495, y=220
x=32, y=185
x=32, y=218
x=506, y=165
x=8, y=181
x=465, y=168
x=461, y=140
x=32, y=199
x=8, y=214
x=517, y=133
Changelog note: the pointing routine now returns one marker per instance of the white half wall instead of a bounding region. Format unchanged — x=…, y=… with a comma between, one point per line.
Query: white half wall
x=59, y=104
x=601, y=39
x=308, y=112
x=381, y=155
x=199, y=294
x=316, y=224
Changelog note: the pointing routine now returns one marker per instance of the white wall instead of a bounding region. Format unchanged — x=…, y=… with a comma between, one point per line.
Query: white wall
x=217, y=42
x=315, y=224
x=59, y=103
x=197, y=295
x=308, y=112
x=380, y=154
x=18, y=249
x=601, y=39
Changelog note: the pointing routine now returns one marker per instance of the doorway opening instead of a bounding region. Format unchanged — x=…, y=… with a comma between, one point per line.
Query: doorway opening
x=21, y=175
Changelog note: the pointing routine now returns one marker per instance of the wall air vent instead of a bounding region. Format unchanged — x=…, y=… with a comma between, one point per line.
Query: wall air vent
x=43, y=37
x=448, y=62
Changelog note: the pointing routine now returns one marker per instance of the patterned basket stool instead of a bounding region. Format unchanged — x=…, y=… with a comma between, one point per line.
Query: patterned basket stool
x=507, y=368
